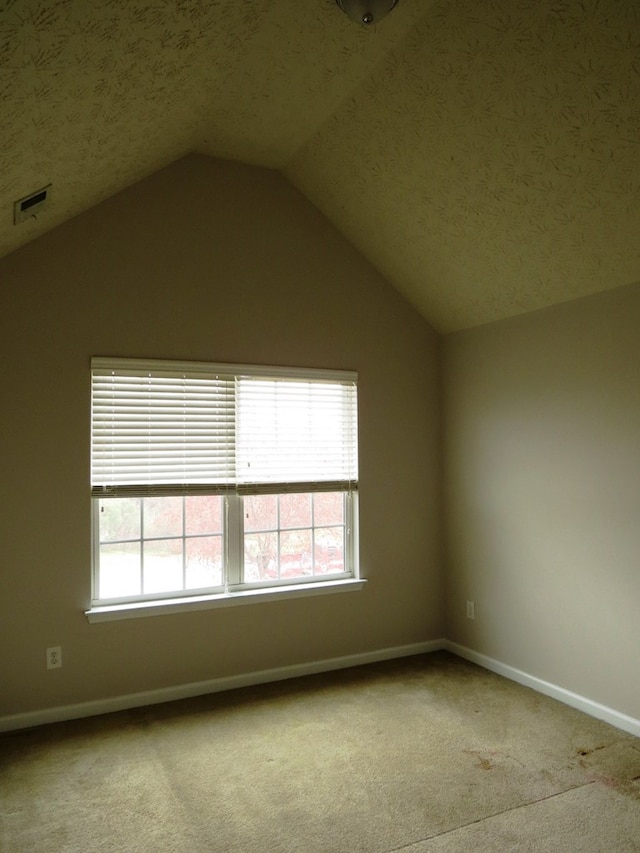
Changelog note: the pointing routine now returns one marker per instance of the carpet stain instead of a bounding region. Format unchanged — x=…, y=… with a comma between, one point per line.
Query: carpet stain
x=627, y=787
x=582, y=751
x=484, y=762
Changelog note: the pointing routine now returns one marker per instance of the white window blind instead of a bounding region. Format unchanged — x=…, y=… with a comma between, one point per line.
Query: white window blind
x=166, y=428
x=292, y=432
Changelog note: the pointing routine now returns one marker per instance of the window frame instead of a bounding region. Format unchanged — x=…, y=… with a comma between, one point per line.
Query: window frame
x=242, y=584
x=236, y=589
x=97, y=601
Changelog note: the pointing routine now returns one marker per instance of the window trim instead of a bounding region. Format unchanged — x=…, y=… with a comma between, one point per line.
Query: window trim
x=164, y=606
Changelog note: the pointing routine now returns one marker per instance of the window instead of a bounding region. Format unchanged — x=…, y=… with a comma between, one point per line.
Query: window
x=211, y=480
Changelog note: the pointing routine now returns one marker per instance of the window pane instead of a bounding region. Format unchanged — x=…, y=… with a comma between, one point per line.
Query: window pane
x=329, y=550
x=260, y=512
x=328, y=508
x=203, y=562
x=295, y=511
x=163, y=565
x=203, y=514
x=119, y=570
x=260, y=556
x=119, y=519
x=295, y=554
x=162, y=517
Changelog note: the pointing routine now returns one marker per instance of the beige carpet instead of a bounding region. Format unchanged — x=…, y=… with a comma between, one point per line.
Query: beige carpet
x=423, y=755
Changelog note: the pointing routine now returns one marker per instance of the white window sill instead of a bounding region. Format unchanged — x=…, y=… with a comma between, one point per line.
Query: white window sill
x=114, y=612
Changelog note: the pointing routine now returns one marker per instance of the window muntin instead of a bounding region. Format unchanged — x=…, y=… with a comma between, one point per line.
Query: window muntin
x=215, y=478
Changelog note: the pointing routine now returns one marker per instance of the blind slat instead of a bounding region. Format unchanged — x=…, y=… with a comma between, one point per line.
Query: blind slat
x=161, y=425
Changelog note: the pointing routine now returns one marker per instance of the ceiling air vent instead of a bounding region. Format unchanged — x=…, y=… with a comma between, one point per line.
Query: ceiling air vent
x=31, y=205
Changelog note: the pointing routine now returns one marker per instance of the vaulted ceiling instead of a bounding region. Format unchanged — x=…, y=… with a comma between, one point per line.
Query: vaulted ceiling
x=483, y=154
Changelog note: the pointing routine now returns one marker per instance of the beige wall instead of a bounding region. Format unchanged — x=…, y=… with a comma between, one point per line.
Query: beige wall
x=206, y=260
x=542, y=489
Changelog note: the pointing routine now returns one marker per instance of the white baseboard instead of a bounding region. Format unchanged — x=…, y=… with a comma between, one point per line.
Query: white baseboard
x=574, y=700
x=214, y=685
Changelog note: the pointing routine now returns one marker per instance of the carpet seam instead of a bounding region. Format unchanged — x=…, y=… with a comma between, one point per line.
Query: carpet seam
x=489, y=817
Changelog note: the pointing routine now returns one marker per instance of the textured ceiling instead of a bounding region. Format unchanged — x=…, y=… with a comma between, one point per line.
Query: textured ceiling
x=483, y=154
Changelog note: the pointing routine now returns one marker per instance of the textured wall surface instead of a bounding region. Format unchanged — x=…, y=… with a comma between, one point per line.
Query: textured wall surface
x=483, y=154
x=97, y=94
x=491, y=164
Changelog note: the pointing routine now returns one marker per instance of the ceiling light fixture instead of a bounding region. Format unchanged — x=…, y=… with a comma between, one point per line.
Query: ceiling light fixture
x=366, y=11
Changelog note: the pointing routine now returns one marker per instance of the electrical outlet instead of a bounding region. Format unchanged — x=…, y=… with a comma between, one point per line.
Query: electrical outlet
x=54, y=657
x=471, y=610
